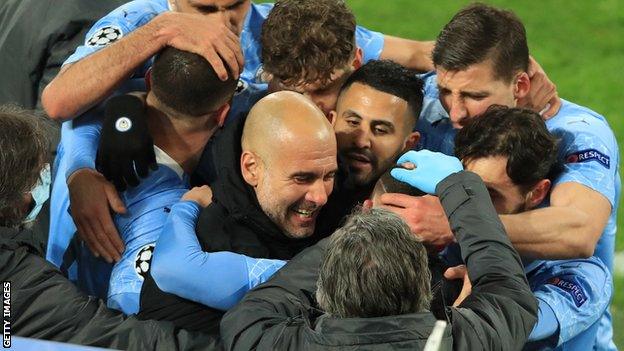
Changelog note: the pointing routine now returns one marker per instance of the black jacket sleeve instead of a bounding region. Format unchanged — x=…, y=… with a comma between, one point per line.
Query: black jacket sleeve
x=501, y=310
x=45, y=305
x=272, y=315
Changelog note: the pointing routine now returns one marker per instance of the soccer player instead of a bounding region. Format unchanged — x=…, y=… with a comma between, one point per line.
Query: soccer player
x=479, y=65
x=511, y=150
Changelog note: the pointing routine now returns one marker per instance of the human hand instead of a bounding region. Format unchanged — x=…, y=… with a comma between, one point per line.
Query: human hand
x=206, y=35
x=542, y=96
x=431, y=168
x=423, y=214
x=126, y=149
x=201, y=195
x=91, y=199
x=459, y=272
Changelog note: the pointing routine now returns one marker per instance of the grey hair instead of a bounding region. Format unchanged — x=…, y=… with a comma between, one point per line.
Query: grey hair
x=374, y=267
x=24, y=150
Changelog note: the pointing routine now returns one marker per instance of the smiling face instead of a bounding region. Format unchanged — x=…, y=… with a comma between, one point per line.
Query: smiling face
x=468, y=93
x=372, y=128
x=233, y=12
x=295, y=183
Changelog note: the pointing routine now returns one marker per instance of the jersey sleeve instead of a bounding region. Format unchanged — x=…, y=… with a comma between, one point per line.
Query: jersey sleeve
x=215, y=279
x=578, y=292
x=370, y=42
x=117, y=24
x=589, y=153
x=82, y=141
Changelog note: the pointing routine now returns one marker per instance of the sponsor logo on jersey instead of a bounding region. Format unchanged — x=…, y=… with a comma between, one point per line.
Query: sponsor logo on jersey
x=240, y=86
x=577, y=293
x=589, y=155
x=104, y=36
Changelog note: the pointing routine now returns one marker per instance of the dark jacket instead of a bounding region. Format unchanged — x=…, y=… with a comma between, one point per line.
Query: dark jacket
x=233, y=222
x=45, y=305
x=498, y=315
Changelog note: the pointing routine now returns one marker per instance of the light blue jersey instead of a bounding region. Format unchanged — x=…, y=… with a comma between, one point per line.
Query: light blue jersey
x=251, y=87
x=588, y=147
x=148, y=207
x=215, y=279
x=572, y=295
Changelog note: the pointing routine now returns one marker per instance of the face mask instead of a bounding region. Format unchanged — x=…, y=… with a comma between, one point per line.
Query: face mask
x=40, y=193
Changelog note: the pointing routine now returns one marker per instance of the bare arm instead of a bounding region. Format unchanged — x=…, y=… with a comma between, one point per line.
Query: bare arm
x=569, y=228
x=409, y=53
x=83, y=84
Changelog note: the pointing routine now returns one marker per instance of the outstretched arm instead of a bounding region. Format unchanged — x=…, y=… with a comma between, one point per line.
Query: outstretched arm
x=215, y=279
x=82, y=84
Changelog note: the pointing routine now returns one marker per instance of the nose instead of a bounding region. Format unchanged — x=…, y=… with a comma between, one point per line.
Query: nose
x=363, y=138
x=457, y=110
x=317, y=193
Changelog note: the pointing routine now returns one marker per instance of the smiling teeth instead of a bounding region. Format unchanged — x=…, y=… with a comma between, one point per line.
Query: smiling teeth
x=304, y=213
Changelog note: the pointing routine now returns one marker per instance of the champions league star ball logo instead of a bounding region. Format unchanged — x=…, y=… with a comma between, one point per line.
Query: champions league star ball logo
x=143, y=260
x=105, y=36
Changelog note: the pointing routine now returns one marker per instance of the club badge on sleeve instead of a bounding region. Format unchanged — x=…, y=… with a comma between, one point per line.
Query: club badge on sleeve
x=104, y=36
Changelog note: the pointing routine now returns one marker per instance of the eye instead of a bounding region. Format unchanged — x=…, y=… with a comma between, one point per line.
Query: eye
x=353, y=122
x=381, y=130
x=302, y=179
x=330, y=176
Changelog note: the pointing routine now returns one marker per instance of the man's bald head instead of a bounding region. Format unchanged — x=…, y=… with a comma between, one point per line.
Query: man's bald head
x=289, y=158
x=284, y=119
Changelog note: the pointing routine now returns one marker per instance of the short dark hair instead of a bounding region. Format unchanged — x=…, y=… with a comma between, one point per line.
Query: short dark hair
x=515, y=133
x=186, y=83
x=480, y=32
x=374, y=266
x=388, y=184
x=392, y=78
x=306, y=40
x=24, y=149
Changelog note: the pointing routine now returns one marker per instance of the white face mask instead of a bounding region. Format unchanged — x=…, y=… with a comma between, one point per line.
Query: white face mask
x=40, y=193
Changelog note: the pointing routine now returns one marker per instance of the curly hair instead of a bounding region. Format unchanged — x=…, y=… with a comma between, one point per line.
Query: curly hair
x=24, y=149
x=304, y=41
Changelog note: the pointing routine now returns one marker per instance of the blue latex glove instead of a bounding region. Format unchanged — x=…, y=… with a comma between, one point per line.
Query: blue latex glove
x=431, y=168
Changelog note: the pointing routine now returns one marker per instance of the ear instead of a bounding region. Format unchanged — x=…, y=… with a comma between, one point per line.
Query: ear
x=250, y=165
x=537, y=194
x=411, y=141
x=148, y=79
x=358, y=60
x=222, y=114
x=332, y=117
x=522, y=85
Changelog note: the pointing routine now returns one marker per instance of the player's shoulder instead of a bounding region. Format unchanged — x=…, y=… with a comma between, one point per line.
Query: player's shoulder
x=136, y=13
x=576, y=118
x=590, y=268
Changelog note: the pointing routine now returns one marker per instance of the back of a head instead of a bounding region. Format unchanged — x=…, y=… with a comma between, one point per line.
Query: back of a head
x=187, y=84
x=306, y=40
x=24, y=148
x=388, y=184
x=374, y=267
x=480, y=32
x=391, y=78
x=515, y=133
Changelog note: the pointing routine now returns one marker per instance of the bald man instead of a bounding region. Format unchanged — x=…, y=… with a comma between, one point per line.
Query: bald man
x=273, y=173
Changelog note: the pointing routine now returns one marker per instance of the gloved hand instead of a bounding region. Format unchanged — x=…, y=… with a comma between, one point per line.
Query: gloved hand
x=431, y=168
x=126, y=149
